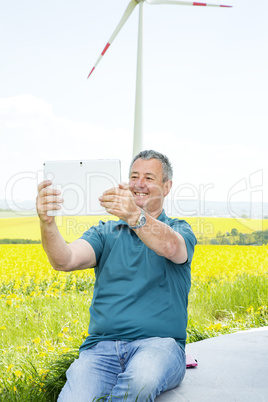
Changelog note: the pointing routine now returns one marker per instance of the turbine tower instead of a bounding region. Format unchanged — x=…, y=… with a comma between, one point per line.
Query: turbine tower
x=138, y=120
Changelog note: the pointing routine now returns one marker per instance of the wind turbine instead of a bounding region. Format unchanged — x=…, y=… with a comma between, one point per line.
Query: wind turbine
x=138, y=126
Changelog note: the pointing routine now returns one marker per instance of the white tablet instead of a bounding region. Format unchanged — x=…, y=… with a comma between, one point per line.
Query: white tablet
x=81, y=184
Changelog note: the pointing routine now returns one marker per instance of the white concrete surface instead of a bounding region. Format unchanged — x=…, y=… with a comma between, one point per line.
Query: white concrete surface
x=230, y=368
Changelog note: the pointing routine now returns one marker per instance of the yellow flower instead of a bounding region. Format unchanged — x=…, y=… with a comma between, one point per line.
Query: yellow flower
x=3, y=327
x=18, y=373
x=43, y=371
x=66, y=329
x=216, y=327
x=36, y=340
x=65, y=350
x=10, y=367
x=84, y=333
x=47, y=343
x=12, y=296
x=60, y=335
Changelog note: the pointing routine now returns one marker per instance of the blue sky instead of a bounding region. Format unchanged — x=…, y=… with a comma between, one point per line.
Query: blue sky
x=205, y=92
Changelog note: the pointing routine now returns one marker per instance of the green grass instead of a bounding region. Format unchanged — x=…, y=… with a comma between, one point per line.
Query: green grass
x=221, y=307
x=41, y=330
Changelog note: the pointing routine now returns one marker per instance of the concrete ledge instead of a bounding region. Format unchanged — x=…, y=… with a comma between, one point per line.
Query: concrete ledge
x=231, y=367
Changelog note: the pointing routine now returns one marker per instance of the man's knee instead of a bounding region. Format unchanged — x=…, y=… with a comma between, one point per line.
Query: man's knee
x=157, y=369
x=146, y=387
x=139, y=385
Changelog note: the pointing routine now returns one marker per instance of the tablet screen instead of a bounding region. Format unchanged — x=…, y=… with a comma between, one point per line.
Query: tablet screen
x=82, y=183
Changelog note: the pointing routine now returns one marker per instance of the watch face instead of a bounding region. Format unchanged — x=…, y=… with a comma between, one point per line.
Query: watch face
x=142, y=221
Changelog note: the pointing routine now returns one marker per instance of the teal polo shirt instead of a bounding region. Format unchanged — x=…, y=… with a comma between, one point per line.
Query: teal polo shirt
x=137, y=294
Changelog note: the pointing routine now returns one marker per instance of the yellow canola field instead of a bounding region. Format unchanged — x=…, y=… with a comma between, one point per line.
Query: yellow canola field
x=22, y=264
x=228, y=262
x=28, y=227
x=73, y=227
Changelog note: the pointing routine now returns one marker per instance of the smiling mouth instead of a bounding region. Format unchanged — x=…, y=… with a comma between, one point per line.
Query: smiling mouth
x=140, y=194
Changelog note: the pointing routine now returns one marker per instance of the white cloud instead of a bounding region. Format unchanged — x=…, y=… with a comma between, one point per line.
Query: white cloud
x=25, y=106
x=33, y=134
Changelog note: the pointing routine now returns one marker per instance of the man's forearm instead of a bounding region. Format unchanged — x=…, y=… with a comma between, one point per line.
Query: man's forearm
x=57, y=250
x=162, y=239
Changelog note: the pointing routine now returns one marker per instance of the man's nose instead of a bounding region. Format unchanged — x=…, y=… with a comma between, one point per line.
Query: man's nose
x=140, y=183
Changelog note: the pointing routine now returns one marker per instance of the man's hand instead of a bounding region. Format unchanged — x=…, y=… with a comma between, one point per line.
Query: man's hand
x=119, y=201
x=47, y=200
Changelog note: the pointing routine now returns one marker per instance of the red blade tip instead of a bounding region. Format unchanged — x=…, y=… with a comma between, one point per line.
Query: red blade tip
x=91, y=72
x=105, y=49
x=205, y=4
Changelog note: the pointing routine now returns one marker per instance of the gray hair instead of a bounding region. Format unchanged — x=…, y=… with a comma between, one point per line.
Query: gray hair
x=150, y=154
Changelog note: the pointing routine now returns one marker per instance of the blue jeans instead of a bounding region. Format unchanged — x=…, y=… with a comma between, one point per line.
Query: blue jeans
x=114, y=371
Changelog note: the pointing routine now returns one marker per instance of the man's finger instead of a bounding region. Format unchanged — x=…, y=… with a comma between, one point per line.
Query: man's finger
x=51, y=200
x=107, y=198
x=43, y=185
x=124, y=186
x=113, y=191
x=47, y=191
x=117, y=190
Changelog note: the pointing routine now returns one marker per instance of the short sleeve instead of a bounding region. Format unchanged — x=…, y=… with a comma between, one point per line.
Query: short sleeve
x=95, y=237
x=187, y=233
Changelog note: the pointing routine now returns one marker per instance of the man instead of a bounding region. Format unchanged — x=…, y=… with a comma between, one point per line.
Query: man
x=138, y=315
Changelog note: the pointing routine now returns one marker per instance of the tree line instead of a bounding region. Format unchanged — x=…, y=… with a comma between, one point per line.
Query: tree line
x=234, y=237
x=19, y=241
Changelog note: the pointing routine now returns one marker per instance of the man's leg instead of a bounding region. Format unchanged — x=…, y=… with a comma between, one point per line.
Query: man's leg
x=152, y=366
x=92, y=375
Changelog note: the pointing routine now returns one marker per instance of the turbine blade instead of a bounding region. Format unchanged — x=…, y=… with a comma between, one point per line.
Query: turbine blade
x=128, y=11
x=184, y=3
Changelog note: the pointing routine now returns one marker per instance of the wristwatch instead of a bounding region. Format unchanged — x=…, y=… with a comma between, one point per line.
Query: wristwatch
x=140, y=222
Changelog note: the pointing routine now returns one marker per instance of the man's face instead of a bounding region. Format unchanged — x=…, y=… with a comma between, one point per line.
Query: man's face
x=147, y=186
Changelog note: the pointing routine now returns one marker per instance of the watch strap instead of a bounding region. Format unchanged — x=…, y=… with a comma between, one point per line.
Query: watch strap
x=140, y=222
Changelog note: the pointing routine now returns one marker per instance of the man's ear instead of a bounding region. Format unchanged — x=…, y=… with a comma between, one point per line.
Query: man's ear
x=167, y=187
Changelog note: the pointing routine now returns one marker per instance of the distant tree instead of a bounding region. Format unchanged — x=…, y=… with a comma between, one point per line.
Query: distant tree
x=214, y=242
x=225, y=241
x=234, y=232
x=242, y=238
